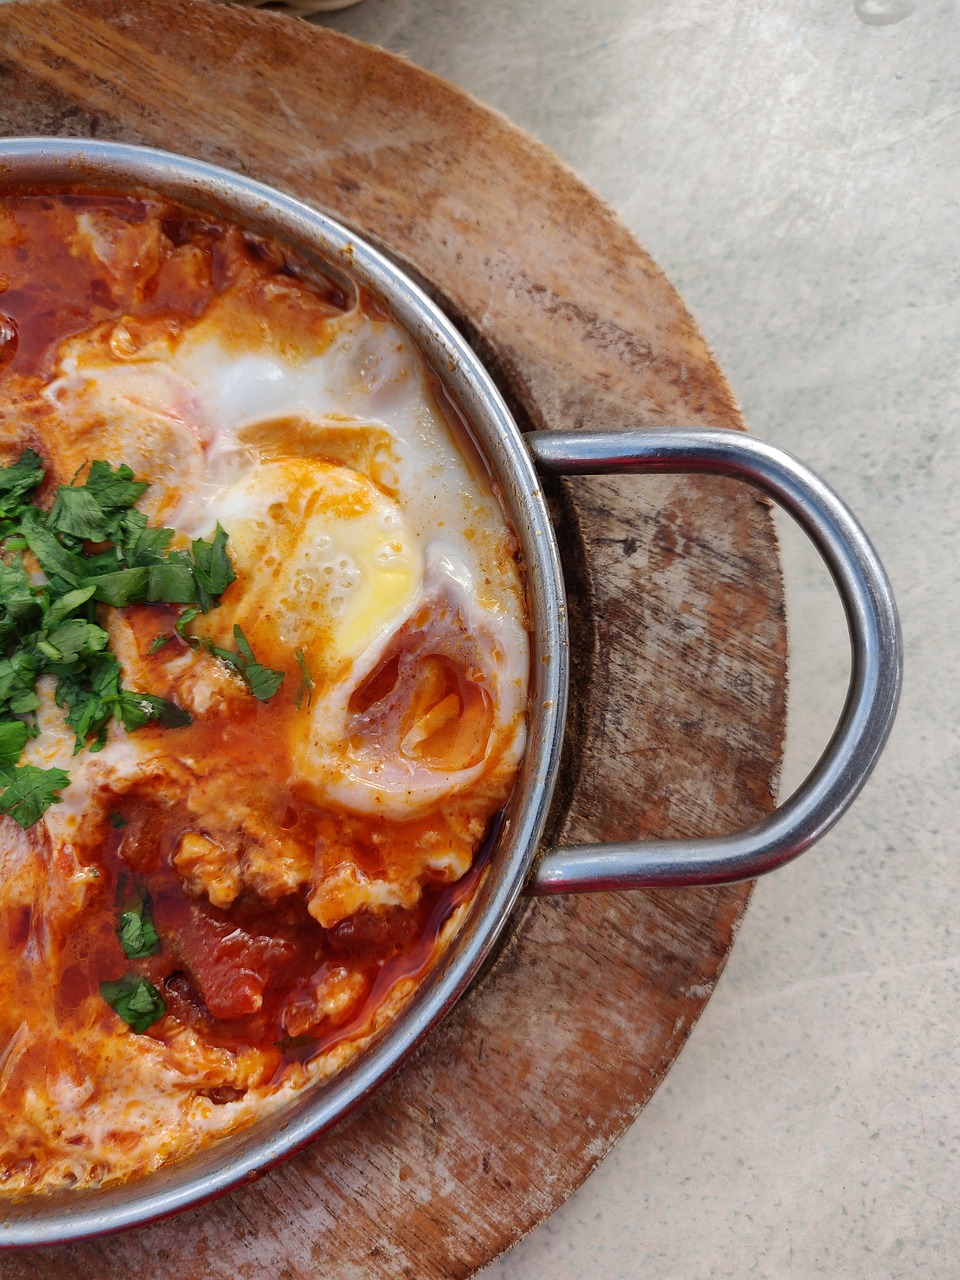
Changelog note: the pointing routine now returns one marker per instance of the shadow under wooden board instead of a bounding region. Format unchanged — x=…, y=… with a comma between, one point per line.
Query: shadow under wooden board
x=675, y=602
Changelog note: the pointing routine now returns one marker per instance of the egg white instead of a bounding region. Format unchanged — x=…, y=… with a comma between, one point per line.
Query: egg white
x=269, y=439
x=359, y=530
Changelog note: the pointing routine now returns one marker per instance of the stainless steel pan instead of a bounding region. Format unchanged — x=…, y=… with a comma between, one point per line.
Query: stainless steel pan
x=519, y=864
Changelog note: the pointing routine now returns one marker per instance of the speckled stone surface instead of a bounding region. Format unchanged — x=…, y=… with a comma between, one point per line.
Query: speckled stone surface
x=793, y=166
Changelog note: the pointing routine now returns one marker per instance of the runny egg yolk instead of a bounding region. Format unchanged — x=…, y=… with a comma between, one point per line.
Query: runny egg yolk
x=306, y=855
x=325, y=564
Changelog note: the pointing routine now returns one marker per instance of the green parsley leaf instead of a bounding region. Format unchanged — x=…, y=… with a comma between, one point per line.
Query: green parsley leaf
x=107, y=561
x=172, y=582
x=17, y=484
x=136, y=930
x=20, y=607
x=117, y=820
x=77, y=512
x=163, y=638
x=94, y=698
x=67, y=604
x=135, y=1000
x=135, y=710
x=90, y=697
x=142, y=545
x=170, y=714
x=74, y=638
x=125, y=586
x=18, y=675
x=243, y=645
x=184, y=620
x=263, y=682
x=63, y=567
x=212, y=569
x=114, y=489
x=29, y=792
x=13, y=738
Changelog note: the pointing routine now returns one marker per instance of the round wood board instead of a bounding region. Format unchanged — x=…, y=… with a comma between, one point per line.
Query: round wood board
x=676, y=610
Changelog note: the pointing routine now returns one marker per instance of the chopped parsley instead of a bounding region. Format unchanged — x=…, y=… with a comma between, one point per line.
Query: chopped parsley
x=17, y=485
x=136, y=930
x=28, y=792
x=93, y=546
x=135, y=1000
x=13, y=738
x=132, y=997
x=263, y=682
x=186, y=617
x=212, y=570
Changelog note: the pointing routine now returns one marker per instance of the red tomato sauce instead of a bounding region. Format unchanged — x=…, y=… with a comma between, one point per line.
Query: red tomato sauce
x=239, y=975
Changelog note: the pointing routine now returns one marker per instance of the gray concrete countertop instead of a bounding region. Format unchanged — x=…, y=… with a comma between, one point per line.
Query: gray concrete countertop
x=793, y=167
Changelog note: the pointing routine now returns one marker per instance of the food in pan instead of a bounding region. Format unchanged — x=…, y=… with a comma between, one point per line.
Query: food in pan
x=263, y=679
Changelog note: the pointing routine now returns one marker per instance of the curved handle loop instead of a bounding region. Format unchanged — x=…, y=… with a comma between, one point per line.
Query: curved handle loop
x=875, y=675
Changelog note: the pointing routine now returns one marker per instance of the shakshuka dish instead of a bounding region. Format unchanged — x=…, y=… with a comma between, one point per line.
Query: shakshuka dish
x=263, y=679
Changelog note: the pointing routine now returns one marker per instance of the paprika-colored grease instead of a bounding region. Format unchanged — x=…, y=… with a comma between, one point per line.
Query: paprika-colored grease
x=301, y=878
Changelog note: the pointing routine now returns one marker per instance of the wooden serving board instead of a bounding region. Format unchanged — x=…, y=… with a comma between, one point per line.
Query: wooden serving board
x=675, y=598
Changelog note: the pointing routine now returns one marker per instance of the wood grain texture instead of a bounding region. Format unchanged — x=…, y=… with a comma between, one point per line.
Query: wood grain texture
x=676, y=615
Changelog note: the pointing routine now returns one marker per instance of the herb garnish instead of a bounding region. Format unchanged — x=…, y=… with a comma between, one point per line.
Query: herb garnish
x=263, y=682
x=132, y=997
x=93, y=546
x=135, y=1000
x=29, y=792
x=136, y=930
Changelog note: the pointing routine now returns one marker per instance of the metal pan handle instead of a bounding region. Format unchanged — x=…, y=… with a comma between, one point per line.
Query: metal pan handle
x=875, y=674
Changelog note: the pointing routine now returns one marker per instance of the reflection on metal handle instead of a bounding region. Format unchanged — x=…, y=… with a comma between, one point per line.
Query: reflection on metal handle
x=876, y=662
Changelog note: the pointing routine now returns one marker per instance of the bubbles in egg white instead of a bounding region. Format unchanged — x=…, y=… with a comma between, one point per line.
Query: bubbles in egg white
x=323, y=554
